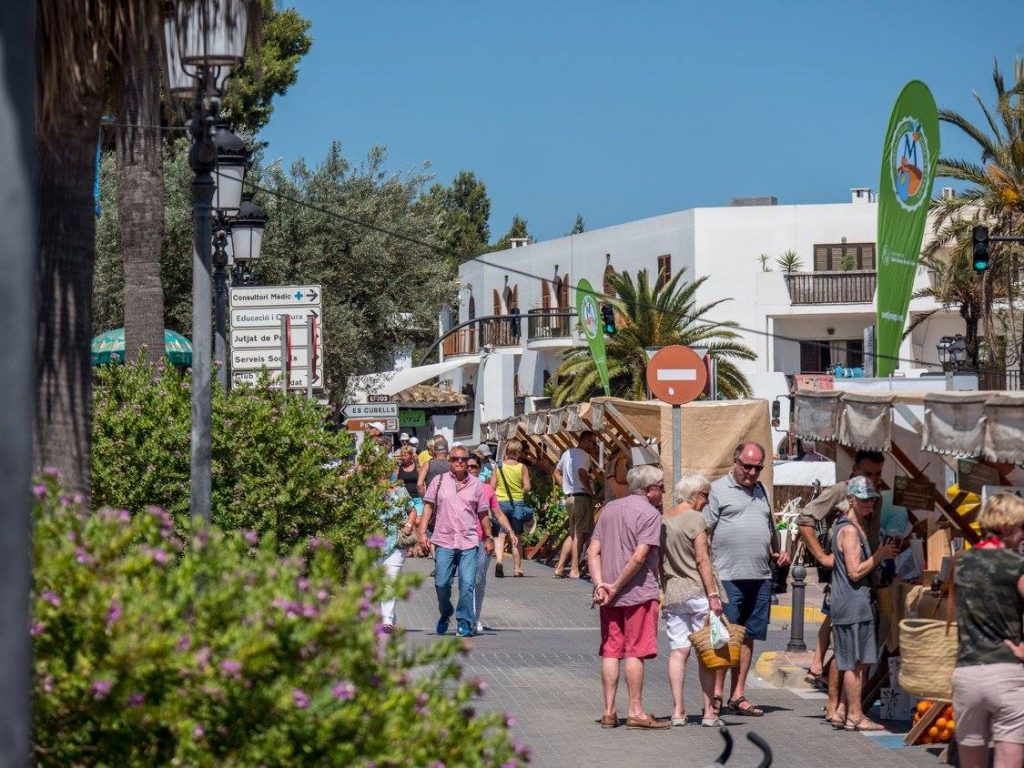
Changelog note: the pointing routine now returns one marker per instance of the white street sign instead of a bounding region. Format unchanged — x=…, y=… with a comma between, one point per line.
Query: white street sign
x=252, y=297
x=254, y=359
x=370, y=411
x=297, y=380
x=271, y=317
x=266, y=338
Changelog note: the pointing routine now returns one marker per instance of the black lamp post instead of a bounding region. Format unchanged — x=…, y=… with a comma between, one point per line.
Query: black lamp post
x=203, y=41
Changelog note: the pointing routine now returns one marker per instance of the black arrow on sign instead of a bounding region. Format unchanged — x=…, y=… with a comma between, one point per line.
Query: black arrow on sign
x=312, y=313
x=313, y=295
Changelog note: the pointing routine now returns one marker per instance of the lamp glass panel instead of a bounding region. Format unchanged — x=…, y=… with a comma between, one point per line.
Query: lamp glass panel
x=227, y=194
x=246, y=241
x=178, y=81
x=206, y=36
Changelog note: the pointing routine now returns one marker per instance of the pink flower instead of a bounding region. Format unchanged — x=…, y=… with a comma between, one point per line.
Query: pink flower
x=198, y=731
x=479, y=685
x=101, y=689
x=113, y=614
x=82, y=557
x=48, y=684
x=303, y=585
x=344, y=691
x=51, y=598
x=37, y=629
x=252, y=538
x=322, y=595
x=376, y=541
x=136, y=700
x=231, y=669
x=52, y=472
x=159, y=556
x=314, y=542
x=301, y=698
x=510, y=720
x=184, y=643
x=40, y=491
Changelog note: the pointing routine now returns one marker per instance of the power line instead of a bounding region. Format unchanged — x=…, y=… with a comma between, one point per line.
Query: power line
x=601, y=296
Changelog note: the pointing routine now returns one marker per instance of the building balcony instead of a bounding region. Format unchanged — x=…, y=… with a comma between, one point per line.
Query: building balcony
x=855, y=286
x=501, y=331
x=460, y=342
x=545, y=329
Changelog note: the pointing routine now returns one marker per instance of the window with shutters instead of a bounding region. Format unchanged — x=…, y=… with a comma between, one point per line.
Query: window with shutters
x=843, y=257
x=608, y=289
x=545, y=294
x=815, y=356
x=563, y=292
x=664, y=269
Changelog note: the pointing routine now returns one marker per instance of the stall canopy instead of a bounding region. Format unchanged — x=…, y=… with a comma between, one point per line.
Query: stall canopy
x=986, y=425
x=710, y=430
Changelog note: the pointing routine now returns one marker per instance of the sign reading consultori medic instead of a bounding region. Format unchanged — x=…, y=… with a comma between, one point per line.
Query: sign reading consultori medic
x=909, y=154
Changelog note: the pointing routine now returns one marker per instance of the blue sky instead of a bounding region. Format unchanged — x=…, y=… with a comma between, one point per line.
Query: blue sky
x=619, y=111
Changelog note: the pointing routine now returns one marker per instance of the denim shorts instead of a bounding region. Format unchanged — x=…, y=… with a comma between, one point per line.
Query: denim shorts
x=750, y=605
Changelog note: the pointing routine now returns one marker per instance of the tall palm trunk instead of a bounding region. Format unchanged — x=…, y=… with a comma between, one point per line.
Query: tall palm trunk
x=66, y=172
x=140, y=206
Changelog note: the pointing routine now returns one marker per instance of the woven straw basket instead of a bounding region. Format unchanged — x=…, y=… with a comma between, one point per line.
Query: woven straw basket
x=927, y=657
x=721, y=658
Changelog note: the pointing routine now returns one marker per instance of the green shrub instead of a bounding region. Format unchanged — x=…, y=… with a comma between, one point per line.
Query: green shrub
x=221, y=652
x=269, y=453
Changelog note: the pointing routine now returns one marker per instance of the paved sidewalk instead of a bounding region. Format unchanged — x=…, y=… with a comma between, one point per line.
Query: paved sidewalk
x=539, y=657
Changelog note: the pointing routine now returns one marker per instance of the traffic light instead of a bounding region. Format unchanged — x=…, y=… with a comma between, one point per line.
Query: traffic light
x=979, y=248
x=608, y=319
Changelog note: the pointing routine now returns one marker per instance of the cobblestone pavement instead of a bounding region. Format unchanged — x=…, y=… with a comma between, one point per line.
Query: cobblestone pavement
x=539, y=657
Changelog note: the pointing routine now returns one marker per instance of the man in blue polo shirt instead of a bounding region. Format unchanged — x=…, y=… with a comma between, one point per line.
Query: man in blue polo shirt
x=743, y=541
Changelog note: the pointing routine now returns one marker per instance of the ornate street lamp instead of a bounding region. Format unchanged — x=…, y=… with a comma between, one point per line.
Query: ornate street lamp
x=204, y=40
x=952, y=352
x=247, y=231
x=943, y=349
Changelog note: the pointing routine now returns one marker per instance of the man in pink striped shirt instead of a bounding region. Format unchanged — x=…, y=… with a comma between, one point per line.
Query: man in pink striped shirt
x=460, y=503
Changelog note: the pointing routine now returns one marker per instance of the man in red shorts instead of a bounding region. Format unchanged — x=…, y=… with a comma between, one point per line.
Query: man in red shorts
x=623, y=560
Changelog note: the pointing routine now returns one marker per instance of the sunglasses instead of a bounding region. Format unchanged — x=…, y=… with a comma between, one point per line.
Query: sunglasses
x=750, y=467
x=459, y=459
x=474, y=466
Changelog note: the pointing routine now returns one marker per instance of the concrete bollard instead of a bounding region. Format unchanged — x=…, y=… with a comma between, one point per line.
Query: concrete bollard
x=796, y=636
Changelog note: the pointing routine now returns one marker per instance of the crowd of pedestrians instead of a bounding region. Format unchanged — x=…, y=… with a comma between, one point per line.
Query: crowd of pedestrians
x=711, y=554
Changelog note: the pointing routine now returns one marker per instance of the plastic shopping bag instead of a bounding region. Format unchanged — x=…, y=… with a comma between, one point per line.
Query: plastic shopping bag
x=719, y=634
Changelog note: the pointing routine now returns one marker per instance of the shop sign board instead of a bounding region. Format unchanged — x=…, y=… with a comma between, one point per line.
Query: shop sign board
x=913, y=493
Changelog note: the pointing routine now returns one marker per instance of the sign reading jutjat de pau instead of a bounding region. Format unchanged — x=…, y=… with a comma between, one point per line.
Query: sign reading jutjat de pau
x=589, y=315
x=909, y=155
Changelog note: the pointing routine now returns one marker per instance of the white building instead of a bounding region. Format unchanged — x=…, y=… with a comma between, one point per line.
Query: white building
x=800, y=322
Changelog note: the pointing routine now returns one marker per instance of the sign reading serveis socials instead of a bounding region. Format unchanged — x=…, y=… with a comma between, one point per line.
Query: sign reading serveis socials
x=909, y=154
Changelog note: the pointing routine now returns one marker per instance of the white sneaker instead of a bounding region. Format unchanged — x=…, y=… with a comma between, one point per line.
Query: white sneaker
x=479, y=627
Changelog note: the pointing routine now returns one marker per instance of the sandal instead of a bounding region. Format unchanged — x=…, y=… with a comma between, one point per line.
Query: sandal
x=560, y=575
x=679, y=722
x=518, y=574
x=609, y=721
x=647, y=723
x=715, y=722
x=717, y=701
x=818, y=681
x=748, y=711
x=864, y=724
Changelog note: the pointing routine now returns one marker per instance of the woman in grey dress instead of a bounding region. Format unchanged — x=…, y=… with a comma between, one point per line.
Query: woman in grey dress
x=853, y=619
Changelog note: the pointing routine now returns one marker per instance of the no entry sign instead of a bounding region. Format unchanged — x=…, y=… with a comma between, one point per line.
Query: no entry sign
x=676, y=375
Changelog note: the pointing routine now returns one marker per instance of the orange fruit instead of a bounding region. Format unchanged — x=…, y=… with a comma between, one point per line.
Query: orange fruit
x=922, y=706
x=947, y=711
x=951, y=724
x=933, y=732
x=940, y=723
x=945, y=734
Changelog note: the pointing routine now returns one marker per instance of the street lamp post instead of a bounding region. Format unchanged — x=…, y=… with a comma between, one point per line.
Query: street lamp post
x=952, y=352
x=203, y=41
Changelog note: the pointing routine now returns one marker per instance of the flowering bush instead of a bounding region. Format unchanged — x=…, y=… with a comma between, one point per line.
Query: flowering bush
x=269, y=453
x=150, y=650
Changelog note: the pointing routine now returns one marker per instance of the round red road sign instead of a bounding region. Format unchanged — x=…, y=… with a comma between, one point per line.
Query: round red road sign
x=676, y=375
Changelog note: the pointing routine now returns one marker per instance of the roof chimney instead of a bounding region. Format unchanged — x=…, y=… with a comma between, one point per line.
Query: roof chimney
x=861, y=195
x=518, y=242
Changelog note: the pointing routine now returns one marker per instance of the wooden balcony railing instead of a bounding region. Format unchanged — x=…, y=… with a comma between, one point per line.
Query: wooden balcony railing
x=462, y=342
x=542, y=324
x=855, y=286
x=501, y=332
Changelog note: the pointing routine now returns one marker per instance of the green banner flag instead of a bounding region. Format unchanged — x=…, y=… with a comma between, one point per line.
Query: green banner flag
x=589, y=315
x=909, y=155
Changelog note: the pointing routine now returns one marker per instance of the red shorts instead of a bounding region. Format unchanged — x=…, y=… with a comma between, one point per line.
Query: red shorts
x=629, y=632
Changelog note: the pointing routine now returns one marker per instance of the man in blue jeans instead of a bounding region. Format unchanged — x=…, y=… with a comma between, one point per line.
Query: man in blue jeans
x=461, y=505
x=743, y=541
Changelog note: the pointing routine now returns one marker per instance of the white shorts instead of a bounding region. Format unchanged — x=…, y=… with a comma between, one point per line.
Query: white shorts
x=683, y=618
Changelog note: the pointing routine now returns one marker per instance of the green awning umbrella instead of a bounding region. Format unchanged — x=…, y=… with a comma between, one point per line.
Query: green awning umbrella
x=108, y=348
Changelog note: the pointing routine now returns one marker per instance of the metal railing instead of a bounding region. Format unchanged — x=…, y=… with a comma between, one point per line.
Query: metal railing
x=545, y=324
x=856, y=286
x=999, y=380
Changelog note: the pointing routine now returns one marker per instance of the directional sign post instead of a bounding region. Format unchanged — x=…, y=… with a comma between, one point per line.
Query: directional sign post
x=371, y=411
x=362, y=425
x=676, y=375
x=279, y=327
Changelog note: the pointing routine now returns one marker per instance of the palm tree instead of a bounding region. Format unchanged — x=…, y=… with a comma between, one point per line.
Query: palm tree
x=654, y=317
x=995, y=197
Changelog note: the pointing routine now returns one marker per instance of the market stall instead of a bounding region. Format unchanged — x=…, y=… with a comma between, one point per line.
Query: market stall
x=945, y=447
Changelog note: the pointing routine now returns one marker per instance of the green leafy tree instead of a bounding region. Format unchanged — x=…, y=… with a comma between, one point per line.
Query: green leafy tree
x=649, y=316
x=269, y=69
x=517, y=230
x=994, y=196
x=463, y=212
